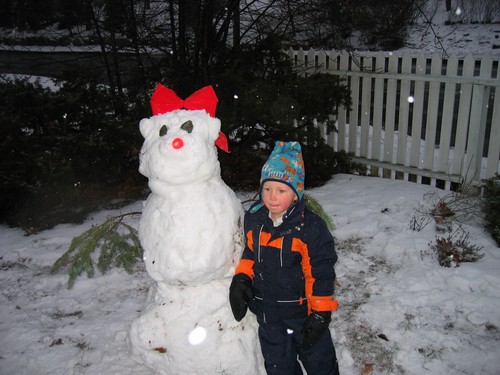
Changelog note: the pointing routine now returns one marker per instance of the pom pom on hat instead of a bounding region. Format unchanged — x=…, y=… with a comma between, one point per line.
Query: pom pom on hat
x=285, y=164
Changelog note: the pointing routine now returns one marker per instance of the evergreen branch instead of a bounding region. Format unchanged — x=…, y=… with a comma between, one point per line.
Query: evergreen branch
x=116, y=249
x=316, y=207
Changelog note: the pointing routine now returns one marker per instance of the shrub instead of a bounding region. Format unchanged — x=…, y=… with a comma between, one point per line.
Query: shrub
x=66, y=151
x=455, y=206
x=491, y=206
x=384, y=23
x=451, y=251
x=267, y=101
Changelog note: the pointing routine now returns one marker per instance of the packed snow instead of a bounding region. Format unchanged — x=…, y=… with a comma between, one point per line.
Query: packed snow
x=399, y=311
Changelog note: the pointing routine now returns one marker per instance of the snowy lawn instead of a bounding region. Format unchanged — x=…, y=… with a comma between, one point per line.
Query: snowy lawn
x=399, y=311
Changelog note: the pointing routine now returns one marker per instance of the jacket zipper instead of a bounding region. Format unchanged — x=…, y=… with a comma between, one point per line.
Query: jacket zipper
x=281, y=251
x=258, y=250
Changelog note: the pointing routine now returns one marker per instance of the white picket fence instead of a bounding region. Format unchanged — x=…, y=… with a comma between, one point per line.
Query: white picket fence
x=421, y=118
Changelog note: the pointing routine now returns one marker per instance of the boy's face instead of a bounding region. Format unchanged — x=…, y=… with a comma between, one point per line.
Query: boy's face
x=277, y=197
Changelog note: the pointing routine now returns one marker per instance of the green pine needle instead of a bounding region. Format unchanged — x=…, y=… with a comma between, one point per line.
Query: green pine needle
x=316, y=207
x=116, y=242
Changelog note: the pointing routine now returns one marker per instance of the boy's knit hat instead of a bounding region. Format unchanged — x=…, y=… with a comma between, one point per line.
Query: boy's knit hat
x=285, y=164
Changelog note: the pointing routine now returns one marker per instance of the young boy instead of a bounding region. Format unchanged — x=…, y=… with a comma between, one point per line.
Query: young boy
x=286, y=273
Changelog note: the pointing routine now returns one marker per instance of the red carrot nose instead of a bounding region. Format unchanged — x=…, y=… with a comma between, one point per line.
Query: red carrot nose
x=177, y=143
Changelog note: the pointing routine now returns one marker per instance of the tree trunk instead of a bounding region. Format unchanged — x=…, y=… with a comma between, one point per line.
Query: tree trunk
x=236, y=25
x=132, y=27
x=181, y=46
x=114, y=50
x=101, y=44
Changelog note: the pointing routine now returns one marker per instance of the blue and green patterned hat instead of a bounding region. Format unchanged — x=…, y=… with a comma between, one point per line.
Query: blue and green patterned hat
x=285, y=164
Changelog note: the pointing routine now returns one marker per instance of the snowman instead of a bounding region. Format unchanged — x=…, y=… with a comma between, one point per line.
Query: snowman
x=191, y=234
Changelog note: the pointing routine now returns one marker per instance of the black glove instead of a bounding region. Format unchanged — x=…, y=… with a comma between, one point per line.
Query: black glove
x=314, y=327
x=240, y=293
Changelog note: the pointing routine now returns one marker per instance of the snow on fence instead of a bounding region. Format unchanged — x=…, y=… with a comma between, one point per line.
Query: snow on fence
x=426, y=119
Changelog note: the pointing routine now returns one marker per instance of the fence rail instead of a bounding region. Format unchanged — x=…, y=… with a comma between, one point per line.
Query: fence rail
x=421, y=118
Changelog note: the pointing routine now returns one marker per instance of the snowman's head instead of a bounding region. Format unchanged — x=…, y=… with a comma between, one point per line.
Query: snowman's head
x=180, y=144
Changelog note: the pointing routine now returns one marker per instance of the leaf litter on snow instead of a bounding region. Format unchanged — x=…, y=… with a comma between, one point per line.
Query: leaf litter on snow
x=368, y=351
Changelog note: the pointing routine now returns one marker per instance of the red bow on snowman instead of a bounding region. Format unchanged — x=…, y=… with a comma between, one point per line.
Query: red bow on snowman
x=166, y=100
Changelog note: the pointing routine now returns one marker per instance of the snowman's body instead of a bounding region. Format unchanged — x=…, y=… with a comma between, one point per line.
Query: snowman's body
x=192, y=237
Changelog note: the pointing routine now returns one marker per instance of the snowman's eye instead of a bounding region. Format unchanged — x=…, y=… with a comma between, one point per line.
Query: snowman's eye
x=163, y=130
x=187, y=126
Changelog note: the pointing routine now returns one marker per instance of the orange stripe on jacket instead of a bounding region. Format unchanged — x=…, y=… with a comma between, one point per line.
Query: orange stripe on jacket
x=317, y=303
x=323, y=303
x=246, y=267
x=250, y=239
x=265, y=239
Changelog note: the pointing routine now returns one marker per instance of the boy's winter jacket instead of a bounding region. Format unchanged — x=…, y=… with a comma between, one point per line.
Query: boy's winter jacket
x=291, y=265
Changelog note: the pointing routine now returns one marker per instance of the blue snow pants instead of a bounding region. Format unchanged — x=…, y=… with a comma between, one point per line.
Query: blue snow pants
x=281, y=344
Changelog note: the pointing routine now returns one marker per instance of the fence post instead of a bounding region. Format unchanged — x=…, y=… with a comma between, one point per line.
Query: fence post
x=342, y=120
x=447, y=117
x=378, y=111
x=418, y=109
x=404, y=113
x=432, y=113
x=463, y=119
x=354, y=113
x=312, y=64
x=477, y=125
x=494, y=145
x=366, y=93
x=330, y=67
x=390, y=115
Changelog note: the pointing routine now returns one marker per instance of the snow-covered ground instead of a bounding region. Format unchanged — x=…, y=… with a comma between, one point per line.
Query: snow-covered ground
x=459, y=39
x=434, y=35
x=399, y=311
